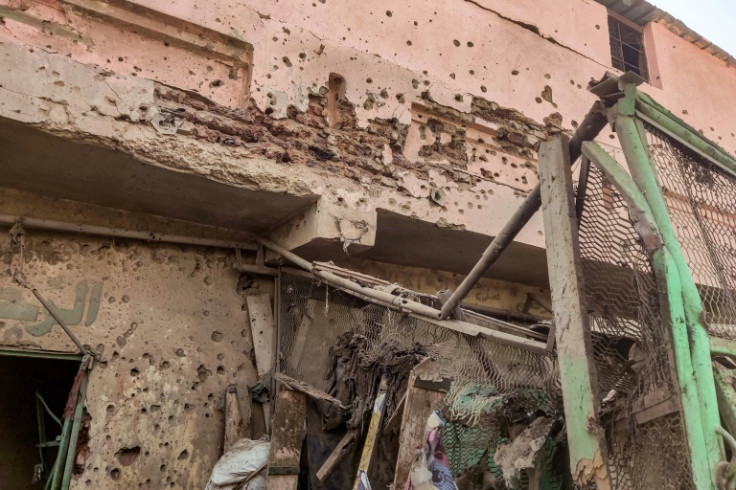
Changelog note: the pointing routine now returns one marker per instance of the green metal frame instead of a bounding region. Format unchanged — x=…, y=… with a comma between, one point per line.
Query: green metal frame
x=60, y=474
x=692, y=348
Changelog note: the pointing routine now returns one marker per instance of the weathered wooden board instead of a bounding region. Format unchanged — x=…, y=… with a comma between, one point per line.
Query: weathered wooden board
x=288, y=430
x=235, y=427
x=418, y=407
x=300, y=338
x=262, y=330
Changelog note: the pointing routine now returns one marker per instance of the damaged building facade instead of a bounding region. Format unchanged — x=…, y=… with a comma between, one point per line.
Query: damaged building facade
x=148, y=150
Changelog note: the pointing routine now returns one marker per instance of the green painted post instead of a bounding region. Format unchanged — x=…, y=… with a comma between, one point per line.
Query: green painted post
x=586, y=440
x=74, y=437
x=666, y=274
x=665, y=270
x=643, y=173
x=63, y=446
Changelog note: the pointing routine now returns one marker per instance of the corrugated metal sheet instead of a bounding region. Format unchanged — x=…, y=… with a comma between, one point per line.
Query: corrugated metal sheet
x=642, y=12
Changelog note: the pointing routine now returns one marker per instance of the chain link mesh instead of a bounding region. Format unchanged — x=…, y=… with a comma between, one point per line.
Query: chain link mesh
x=702, y=203
x=631, y=346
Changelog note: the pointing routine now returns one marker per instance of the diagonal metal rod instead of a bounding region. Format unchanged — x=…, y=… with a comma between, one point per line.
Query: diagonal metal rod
x=593, y=123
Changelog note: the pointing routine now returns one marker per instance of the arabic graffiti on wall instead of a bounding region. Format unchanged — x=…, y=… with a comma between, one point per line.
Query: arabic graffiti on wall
x=82, y=308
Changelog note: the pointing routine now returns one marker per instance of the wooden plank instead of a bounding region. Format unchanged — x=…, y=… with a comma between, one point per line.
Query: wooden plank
x=337, y=454
x=418, y=407
x=572, y=328
x=287, y=434
x=262, y=331
x=371, y=438
x=393, y=422
x=235, y=428
x=309, y=390
x=300, y=338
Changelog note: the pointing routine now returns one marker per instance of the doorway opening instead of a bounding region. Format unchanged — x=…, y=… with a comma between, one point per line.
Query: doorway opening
x=34, y=388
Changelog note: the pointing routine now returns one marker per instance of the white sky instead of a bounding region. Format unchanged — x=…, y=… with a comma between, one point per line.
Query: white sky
x=715, y=20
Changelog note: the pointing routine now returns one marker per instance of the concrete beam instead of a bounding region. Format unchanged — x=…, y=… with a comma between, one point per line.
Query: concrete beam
x=326, y=225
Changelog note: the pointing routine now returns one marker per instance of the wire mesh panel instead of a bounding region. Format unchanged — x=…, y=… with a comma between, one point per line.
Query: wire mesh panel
x=339, y=343
x=632, y=348
x=702, y=203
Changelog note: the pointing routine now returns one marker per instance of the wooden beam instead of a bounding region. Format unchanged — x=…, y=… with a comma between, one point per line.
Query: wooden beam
x=337, y=454
x=371, y=438
x=287, y=434
x=572, y=328
x=418, y=407
x=309, y=390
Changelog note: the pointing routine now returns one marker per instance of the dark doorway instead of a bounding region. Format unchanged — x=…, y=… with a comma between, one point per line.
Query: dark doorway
x=23, y=420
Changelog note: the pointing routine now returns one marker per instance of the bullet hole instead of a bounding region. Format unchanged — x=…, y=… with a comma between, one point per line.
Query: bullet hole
x=180, y=352
x=389, y=13
x=572, y=82
x=134, y=372
x=165, y=364
x=203, y=373
x=115, y=474
x=538, y=100
x=287, y=61
x=183, y=455
x=515, y=72
x=470, y=44
x=472, y=72
x=598, y=27
x=120, y=58
x=217, y=83
x=220, y=370
x=144, y=410
x=456, y=43
x=384, y=93
x=369, y=80
x=162, y=467
x=120, y=341
x=452, y=75
x=244, y=333
x=303, y=55
x=483, y=89
x=684, y=111
x=400, y=98
x=111, y=299
x=547, y=76
x=127, y=456
x=408, y=43
x=458, y=97
x=110, y=408
x=216, y=336
x=208, y=280
x=416, y=23
x=125, y=298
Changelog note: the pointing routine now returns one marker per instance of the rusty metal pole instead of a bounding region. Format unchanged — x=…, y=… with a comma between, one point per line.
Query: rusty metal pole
x=592, y=124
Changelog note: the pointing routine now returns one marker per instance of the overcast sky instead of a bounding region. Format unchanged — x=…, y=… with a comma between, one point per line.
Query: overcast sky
x=715, y=20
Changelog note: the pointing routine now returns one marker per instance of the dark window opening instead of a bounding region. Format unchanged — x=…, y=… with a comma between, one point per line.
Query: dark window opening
x=627, y=48
x=28, y=431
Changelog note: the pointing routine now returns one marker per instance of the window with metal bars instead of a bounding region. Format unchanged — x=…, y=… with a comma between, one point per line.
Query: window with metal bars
x=627, y=47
